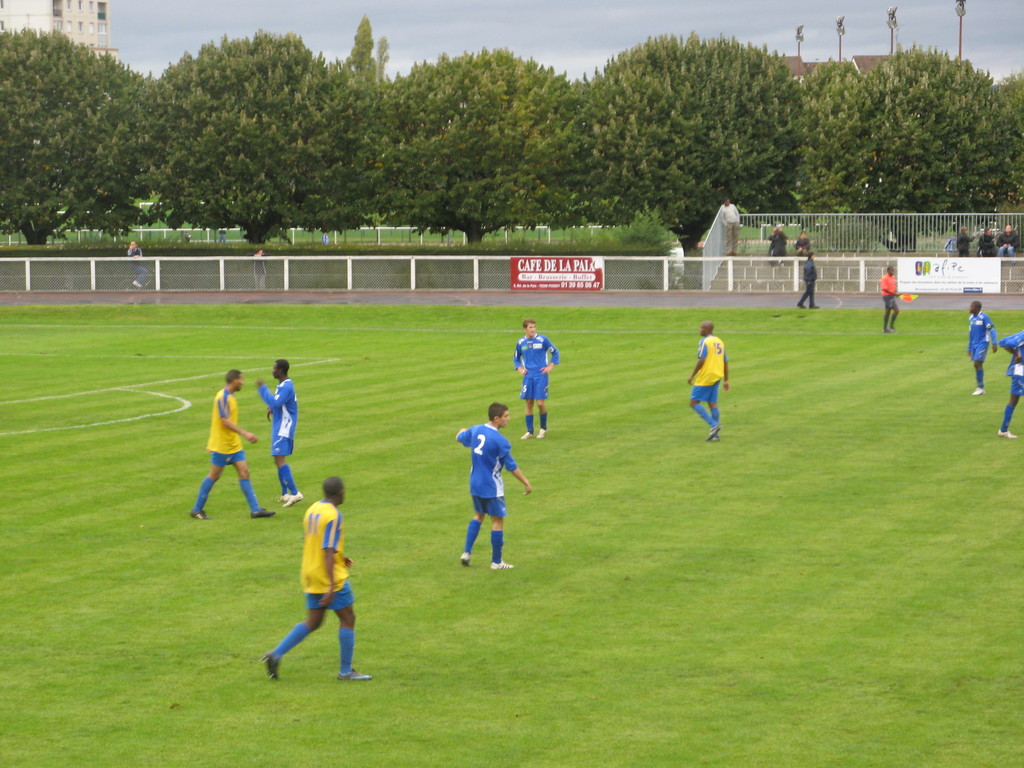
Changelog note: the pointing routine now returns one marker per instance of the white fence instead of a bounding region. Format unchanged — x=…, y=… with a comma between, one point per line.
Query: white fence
x=748, y=274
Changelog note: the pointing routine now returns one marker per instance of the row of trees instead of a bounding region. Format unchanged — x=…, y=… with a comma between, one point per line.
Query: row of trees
x=264, y=135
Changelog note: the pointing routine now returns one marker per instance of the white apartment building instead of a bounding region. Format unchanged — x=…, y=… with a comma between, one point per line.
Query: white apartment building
x=85, y=21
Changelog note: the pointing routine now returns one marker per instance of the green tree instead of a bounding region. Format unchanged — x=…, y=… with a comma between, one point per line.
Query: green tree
x=361, y=60
x=241, y=137
x=69, y=138
x=920, y=133
x=673, y=126
x=477, y=143
x=1010, y=100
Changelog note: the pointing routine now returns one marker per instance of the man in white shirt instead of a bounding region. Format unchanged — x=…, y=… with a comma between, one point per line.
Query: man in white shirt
x=731, y=216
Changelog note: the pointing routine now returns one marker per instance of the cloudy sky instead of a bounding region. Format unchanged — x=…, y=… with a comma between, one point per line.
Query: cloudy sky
x=572, y=36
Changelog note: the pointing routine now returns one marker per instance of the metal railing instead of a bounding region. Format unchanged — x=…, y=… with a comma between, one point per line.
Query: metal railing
x=860, y=233
x=848, y=274
x=308, y=273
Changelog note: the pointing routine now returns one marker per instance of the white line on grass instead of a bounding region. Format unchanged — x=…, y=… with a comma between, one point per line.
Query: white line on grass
x=185, y=404
x=143, y=384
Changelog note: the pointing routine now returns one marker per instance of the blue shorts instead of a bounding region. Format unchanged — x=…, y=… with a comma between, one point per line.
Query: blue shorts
x=281, y=446
x=343, y=598
x=492, y=507
x=979, y=352
x=224, y=459
x=705, y=394
x=1017, y=385
x=535, y=387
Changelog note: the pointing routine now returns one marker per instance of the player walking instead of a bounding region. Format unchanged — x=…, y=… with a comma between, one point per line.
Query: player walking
x=225, y=448
x=712, y=367
x=490, y=452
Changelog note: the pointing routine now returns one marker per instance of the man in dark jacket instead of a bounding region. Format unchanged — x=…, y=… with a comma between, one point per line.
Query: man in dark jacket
x=963, y=243
x=987, y=243
x=1008, y=242
x=810, y=276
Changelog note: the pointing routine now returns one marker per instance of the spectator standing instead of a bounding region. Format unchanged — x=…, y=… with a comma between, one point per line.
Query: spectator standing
x=141, y=273
x=963, y=243
x=259, y=270
x=731, y=217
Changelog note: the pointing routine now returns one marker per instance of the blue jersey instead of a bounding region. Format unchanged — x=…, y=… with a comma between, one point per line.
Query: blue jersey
x=284, y=407
x=1016, y=344
x=491, y=452
x=532, y=354
x=981, y=330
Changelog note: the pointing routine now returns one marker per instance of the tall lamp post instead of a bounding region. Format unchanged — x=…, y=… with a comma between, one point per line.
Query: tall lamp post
x=892, y=28
x=841, y=30
x=960, y=11
x=799, y=38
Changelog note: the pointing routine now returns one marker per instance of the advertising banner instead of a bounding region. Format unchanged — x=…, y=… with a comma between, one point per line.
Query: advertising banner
x=939, y=274
x=578, y=273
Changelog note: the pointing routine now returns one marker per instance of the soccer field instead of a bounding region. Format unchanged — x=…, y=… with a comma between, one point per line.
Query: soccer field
x=838, y=582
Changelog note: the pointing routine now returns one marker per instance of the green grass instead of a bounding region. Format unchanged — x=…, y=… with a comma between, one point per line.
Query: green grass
x=838, y=582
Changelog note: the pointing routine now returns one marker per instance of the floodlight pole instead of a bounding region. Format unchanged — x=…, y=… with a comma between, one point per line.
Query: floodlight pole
x=840, y=30
x=799, y=38
x=960, y=11
x=892, y=29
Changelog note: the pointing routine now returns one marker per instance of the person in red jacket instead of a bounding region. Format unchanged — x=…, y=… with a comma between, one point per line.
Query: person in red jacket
x=888, y=286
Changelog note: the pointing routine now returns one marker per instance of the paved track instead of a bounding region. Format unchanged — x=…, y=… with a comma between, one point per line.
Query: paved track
x=652, y=299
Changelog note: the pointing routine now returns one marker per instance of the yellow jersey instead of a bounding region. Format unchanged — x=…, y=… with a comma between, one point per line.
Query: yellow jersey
x=712, y=351
x=222, y=439
x=324, y=529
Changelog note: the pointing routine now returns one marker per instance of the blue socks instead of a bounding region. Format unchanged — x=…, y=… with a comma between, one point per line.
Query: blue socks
x=347, y=641
x=529, y=423
x=544, y=420
x=293, y=638
x=979, y=374
x=284, y=475
x=250, y=494
x=715, y=416
x=471, y=533
x=700, y=411
x=1007, y=415
x=497, y=544
x=204, y=493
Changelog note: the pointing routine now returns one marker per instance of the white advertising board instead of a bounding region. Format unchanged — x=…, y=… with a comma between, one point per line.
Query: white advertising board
x=940, y=274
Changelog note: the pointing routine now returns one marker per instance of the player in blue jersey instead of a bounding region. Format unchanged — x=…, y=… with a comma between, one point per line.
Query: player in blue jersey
x=531, y=360
x=981, y=331
x=1015, y=346
x=490, y=452
x=324, y=577
x=283, y=411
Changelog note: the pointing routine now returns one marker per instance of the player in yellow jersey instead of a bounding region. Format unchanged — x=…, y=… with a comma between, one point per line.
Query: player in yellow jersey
x=225, y=447
x=324, y=577
x=712, y=367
